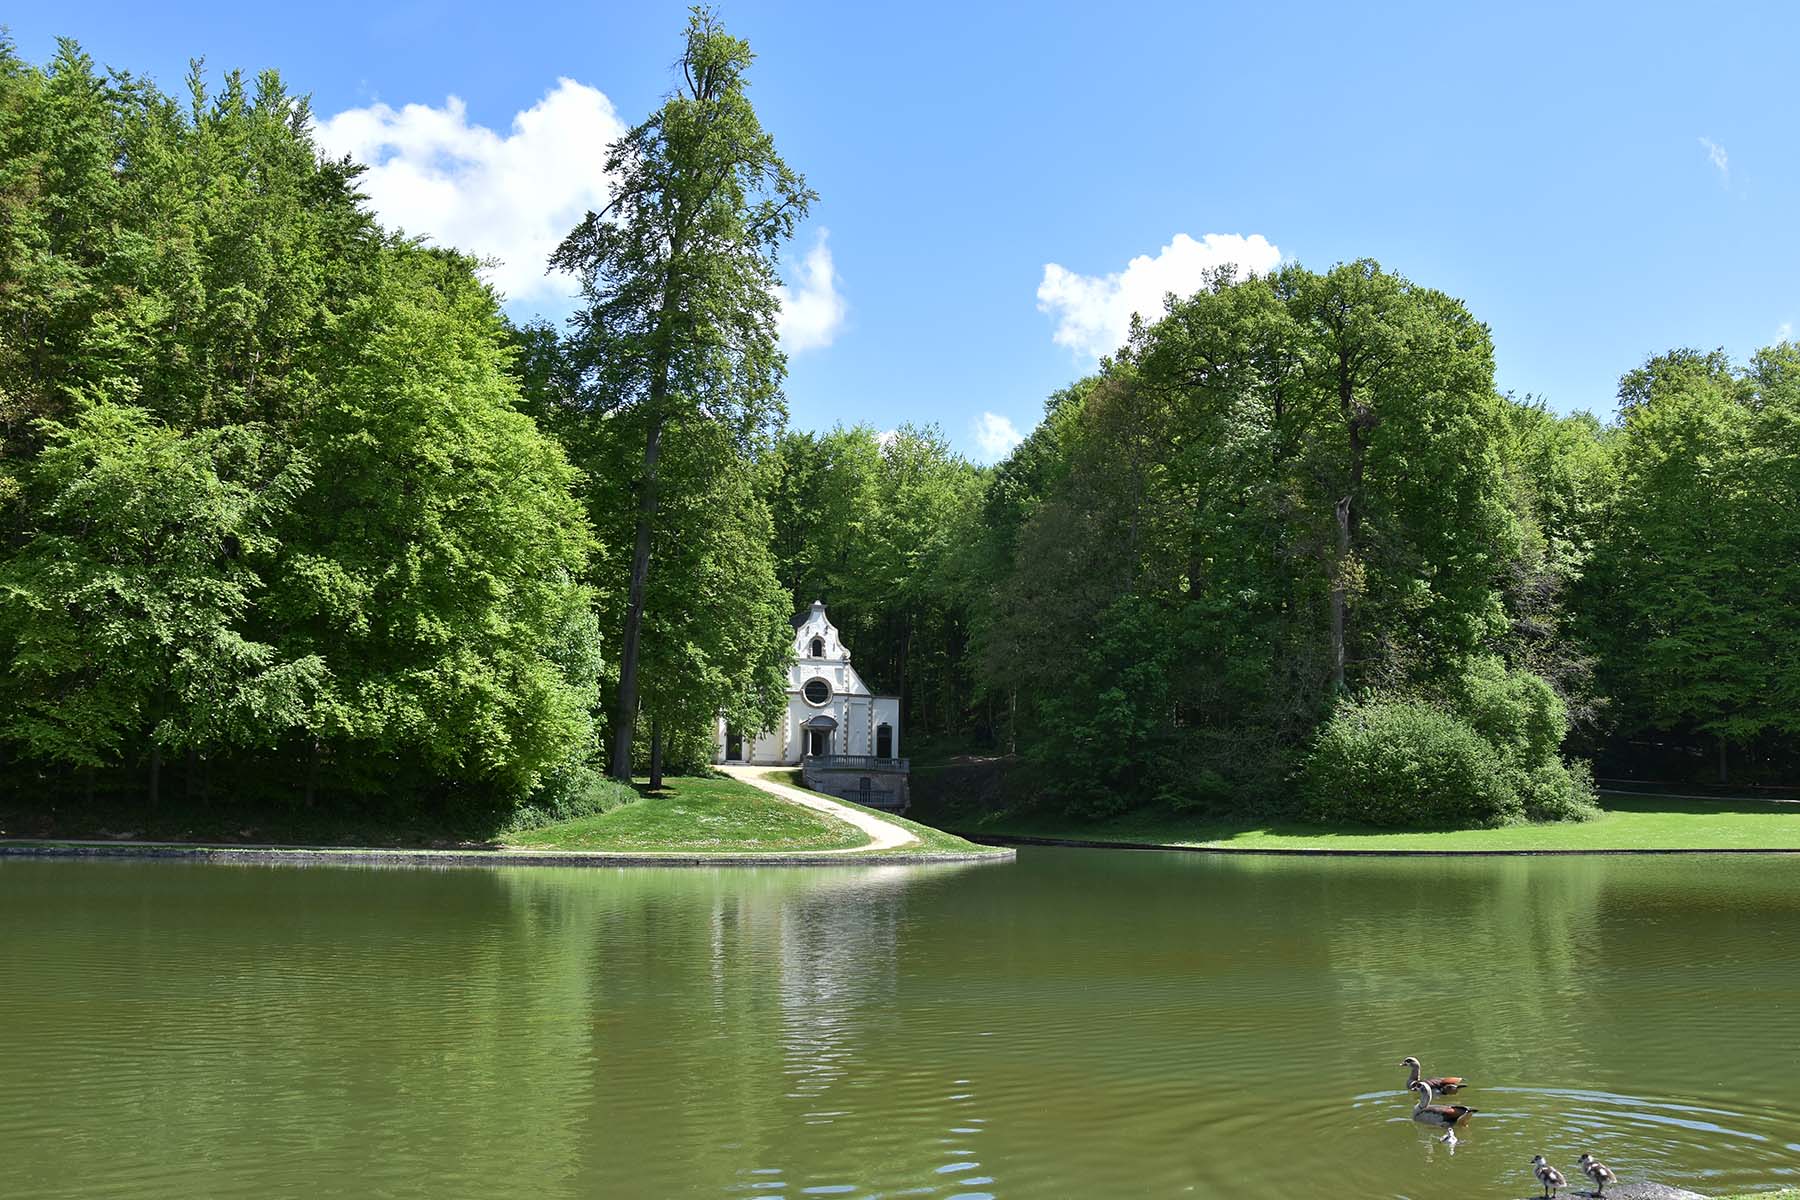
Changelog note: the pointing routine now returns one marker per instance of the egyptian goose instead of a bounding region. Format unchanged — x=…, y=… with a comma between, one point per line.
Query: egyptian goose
x=1443, y=1085
x=1599, y=1172
x=1446, y=1116
x=1549, y=1176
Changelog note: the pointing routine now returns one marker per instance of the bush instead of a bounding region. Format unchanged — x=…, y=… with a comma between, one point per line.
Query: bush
x=1406, y=765
x=1552, y=791
x=1516, y=711
x=570, y=791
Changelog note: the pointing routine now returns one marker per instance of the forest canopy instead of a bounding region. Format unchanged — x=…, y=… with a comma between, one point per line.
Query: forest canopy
x=290, y=512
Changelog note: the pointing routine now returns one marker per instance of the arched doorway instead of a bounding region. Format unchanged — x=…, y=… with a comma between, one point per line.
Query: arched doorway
x=819, y=731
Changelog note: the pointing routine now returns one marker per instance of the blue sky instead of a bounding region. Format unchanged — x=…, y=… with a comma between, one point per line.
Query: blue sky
x=1596, y=185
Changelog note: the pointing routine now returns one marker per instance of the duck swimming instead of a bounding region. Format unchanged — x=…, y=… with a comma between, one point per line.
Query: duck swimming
x=1443, y=1085
x=1446, y=1116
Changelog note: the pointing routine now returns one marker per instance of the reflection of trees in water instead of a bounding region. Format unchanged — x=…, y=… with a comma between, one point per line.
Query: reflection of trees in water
x=1464, y=960
x=720, y=1005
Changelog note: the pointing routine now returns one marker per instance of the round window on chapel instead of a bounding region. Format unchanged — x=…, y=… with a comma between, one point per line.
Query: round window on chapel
x=816, y=691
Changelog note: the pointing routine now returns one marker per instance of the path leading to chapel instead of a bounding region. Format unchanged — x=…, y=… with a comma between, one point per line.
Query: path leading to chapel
x=884, y=835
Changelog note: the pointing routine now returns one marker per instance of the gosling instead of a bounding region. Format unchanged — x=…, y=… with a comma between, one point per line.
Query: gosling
x=1549, y=1176
x=1599, y=1172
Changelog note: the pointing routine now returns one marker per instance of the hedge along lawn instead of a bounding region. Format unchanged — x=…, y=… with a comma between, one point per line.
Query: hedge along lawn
x=931, y=841
x=1627, y=822
x=697, y=815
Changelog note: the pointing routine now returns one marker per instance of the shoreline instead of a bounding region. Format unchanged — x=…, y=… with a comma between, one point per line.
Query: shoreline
x=306, y=856
x=1004, y=840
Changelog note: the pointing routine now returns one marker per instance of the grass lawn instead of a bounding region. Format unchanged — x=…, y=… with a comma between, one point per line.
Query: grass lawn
x=696, y=814
x=934, y=841
x=1634, y=822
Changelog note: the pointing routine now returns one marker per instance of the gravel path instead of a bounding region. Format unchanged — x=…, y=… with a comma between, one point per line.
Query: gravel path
x=884, y=835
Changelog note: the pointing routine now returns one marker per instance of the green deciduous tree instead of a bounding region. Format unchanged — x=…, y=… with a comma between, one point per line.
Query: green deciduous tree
x=882, y=528
x=440, y=573
x=678, y=276
x=124, y=611
x=1692, y=602
x=194, y=306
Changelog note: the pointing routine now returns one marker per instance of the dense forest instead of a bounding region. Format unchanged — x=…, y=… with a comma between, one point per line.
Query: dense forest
x=290, y=513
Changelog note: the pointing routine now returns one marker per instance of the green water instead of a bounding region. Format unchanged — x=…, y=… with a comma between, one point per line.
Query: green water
x=1080, y=1023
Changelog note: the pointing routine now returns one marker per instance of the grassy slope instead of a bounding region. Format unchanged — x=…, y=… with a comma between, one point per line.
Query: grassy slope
x=691, y=815
x=934, y=841
x=1629, y=823
x=697, y=814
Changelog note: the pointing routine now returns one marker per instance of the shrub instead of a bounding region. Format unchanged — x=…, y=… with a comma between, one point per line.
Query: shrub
x=1406, y=764
x=570, y=791
x=1517, y=711
x=1552, y=791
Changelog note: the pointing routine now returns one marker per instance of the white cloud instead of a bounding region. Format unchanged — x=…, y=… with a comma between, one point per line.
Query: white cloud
x=1715, y=154
x=887, y=437
x=812, y=310
x=1784, y=332
x=1093, y=312
x=996, y=435
x=510, y=197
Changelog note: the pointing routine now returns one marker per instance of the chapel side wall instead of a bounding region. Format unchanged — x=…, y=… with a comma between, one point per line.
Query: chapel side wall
x=887, y=712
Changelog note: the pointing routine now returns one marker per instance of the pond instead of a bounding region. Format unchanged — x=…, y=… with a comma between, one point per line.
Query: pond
x=1079, y=1023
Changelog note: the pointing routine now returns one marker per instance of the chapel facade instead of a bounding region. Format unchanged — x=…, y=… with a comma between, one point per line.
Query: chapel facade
x=845, y=738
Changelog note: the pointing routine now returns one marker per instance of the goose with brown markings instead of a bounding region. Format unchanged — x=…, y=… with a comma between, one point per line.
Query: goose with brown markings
x=1445, y=1116
x=1443, y=1085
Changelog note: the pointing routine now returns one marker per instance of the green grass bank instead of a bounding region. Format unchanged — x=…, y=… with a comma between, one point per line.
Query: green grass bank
x=696, y=814
x=931, y=839
x=688, y=816
x=1627, y=822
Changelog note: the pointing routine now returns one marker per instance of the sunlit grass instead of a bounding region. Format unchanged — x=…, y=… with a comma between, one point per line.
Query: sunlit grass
x=1627, y=823
x=934, y=841
x=697, y=814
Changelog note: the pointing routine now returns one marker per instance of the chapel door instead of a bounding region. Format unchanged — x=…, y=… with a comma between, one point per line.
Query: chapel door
x=884, y=741
x=734, y=746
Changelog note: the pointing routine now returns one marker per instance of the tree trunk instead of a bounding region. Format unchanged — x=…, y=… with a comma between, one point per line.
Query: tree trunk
x=155, y=774
x=1348, y=519
x=906, y=628
x=1724, y=761
x=655, y=754
x=312, y=772
x=1339, y=602
x=626, y=725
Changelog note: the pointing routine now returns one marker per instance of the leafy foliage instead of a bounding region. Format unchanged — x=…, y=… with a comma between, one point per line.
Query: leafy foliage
x=676, y=338
x=1407, y=765
x=265, y=494
x=124, y=610
x=879, y=526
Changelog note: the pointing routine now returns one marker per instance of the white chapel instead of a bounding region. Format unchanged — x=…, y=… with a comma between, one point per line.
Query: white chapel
x=831, y=713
